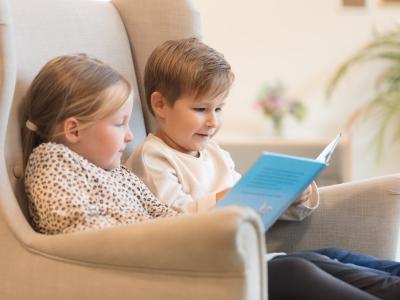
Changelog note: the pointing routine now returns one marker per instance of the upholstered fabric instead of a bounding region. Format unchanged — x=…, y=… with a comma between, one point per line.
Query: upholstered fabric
x=219, y=255
x=363, y=216
x=149, y=23
x=216, y=255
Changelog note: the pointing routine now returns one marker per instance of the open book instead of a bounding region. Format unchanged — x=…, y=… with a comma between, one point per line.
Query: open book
x=275, y=180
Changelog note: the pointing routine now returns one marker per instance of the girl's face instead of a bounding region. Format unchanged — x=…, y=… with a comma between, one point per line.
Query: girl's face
x=190, y=123
x=104, y=142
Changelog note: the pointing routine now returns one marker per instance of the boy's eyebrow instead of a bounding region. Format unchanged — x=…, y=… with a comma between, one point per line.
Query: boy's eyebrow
x=209, y=103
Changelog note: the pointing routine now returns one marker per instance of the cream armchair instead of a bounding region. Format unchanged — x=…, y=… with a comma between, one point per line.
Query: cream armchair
x=209, y=256
x=217, y=255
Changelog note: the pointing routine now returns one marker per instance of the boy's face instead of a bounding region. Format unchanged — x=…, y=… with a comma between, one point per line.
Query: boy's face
x=190, y=122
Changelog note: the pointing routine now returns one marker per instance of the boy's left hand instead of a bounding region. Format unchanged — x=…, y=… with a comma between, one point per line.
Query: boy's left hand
x=305, y=195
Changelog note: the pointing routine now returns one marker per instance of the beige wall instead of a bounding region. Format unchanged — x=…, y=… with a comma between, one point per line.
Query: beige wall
x=300, y=43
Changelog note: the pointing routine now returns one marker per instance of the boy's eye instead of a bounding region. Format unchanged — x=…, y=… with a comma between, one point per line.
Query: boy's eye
x=218, y=109
x=199, y=109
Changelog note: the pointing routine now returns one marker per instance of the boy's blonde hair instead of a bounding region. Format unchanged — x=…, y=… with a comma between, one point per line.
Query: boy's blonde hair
x=186, y=67
x=69, y=86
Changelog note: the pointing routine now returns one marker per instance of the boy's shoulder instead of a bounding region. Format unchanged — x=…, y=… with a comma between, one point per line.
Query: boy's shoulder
x=152, y=145
x=152, y=148
x=213, y=147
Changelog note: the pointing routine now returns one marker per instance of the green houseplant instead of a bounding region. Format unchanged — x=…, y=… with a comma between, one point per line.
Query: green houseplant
x=386, y=100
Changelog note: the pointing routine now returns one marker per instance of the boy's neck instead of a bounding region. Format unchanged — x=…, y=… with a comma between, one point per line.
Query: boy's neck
x=171, y=143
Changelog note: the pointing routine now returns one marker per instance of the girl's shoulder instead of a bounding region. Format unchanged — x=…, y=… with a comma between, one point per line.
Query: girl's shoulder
x=52, y=155
x=126, y=176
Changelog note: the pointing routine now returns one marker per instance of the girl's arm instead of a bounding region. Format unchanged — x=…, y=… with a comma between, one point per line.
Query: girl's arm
x=60, y=192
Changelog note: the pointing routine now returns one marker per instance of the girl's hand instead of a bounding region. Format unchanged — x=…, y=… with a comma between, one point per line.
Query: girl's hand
x=305, y=195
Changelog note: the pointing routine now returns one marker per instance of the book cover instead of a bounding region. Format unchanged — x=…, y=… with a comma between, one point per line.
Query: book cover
x=275, y=181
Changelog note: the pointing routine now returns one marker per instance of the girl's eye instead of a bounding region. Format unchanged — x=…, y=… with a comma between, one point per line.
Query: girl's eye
x=120, y=123
x=199, y=109
x=218, y=109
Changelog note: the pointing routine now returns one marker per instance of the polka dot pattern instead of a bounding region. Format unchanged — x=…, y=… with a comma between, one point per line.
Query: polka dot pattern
x=67, y=193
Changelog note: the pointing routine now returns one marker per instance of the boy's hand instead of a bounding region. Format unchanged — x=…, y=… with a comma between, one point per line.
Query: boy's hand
x=305, y=195
x=221, y=195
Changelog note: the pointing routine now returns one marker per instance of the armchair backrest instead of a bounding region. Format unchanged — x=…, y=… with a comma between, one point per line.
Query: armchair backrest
x=121, y=33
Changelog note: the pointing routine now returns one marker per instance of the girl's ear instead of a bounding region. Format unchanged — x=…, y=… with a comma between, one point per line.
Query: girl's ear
x=71, y=130
x=158, y=104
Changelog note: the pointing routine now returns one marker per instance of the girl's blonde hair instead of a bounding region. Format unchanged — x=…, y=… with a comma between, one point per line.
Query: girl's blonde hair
x=186, y=66
x=69, y=86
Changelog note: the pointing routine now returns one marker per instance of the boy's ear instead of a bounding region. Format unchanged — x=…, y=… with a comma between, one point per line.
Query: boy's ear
x=158, y=104
x=71, y=130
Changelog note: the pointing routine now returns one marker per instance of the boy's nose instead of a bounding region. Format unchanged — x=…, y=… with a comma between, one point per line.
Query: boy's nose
x=212, y=120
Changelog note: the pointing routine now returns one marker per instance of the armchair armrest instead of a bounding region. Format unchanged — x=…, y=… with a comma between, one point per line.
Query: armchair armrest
x=223, y=241
x=361, y=215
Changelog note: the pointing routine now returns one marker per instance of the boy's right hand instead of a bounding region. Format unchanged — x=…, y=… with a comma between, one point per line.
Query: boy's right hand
x=221, y=195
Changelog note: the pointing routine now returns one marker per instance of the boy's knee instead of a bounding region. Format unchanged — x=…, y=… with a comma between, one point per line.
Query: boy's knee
x=295, y=266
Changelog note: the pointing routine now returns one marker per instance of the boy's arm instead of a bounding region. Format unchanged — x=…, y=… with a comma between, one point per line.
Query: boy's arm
x=152, y=204
x=166, y=185
x=161, y=177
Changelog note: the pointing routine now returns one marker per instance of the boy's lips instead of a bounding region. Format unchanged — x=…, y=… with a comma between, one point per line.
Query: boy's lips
x=203, y=135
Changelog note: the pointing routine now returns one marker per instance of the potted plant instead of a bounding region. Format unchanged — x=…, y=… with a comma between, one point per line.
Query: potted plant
x=274, y=104
x=386, y=100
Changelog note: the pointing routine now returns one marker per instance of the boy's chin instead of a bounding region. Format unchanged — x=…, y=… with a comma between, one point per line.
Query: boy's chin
x=199, y=147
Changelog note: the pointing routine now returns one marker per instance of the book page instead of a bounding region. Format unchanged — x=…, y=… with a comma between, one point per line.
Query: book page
x=326, y=154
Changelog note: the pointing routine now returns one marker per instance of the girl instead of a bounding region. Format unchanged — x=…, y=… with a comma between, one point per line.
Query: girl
x=77, y=112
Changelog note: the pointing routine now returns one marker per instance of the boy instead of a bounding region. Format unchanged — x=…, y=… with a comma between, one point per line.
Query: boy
x=186, y=84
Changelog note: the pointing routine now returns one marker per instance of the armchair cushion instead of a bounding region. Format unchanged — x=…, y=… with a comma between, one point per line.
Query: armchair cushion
x=363, y=216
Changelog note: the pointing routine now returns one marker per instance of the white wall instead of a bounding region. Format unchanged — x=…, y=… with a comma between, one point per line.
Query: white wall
x=300, y=43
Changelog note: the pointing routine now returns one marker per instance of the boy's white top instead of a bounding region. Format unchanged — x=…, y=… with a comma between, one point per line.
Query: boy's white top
x=68, y=193
x=191, y=183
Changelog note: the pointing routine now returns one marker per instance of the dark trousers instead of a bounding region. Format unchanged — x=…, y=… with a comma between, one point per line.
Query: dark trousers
x=294, y=278
x=371, y=263
x=377, y=277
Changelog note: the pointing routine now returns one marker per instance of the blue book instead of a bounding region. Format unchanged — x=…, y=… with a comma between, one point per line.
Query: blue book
x=275, y=181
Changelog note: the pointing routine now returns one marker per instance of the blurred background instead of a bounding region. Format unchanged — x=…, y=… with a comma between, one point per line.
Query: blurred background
x=299, y=45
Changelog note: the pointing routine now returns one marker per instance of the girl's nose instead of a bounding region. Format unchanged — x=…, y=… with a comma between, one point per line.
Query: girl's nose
x=129, y=136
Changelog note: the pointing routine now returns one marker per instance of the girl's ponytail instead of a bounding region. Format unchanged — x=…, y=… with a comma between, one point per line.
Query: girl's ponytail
x=29, y=132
